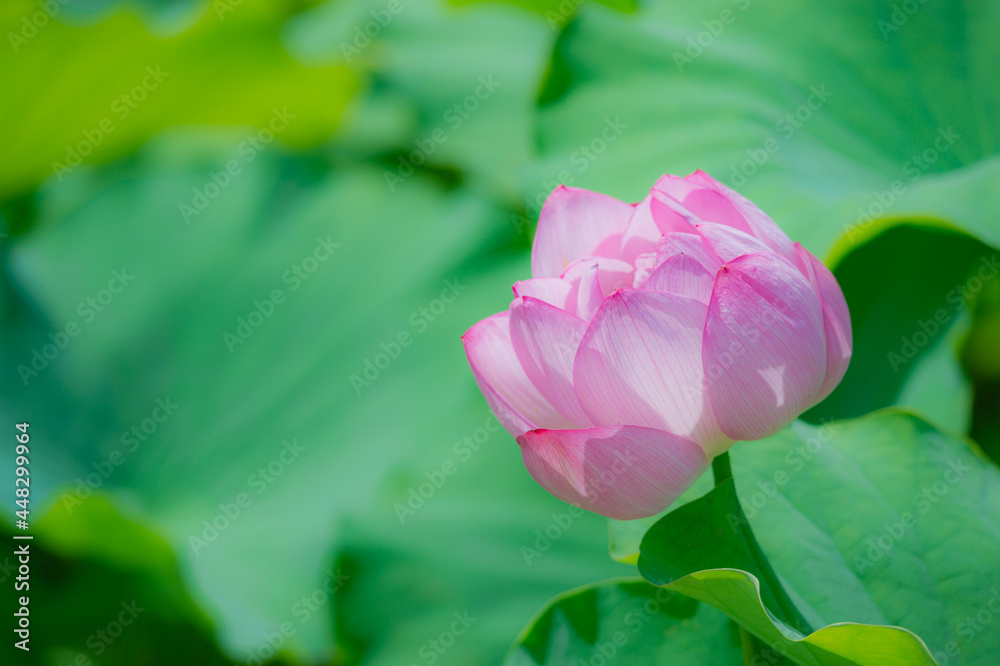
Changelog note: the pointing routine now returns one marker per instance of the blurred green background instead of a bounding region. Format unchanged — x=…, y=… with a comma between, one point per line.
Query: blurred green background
x=241, y=240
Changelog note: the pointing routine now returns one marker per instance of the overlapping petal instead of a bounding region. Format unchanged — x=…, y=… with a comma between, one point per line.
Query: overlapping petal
x=690, y=244
x=576, y=223
x=655, y=215
x=545, y=340
x=836, y=319
x=728, y=243
x=515, y=401
x=639, y=363
x=765, y=353
x=554, y=291
x=704, y=200
x=761, y=226
x=684, y=276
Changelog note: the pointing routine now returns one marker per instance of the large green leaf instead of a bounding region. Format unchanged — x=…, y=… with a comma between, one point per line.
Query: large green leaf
x=831, y=128
x=706, y=550
x=93, y=93
x=882, y=520
x=631, y=622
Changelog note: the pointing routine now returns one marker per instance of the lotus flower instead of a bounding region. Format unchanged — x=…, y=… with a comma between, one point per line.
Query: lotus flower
x=651, y=337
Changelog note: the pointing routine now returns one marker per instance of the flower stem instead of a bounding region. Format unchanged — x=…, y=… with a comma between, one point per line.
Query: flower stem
x=721, y=469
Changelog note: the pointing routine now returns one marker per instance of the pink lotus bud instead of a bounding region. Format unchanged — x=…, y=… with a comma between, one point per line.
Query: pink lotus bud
x=652, y=336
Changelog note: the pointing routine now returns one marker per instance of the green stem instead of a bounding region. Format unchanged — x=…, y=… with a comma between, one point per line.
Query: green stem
x=748, y=646
x=721, y=469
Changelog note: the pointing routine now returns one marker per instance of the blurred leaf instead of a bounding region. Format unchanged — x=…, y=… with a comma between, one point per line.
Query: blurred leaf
x=558, y=12
x=485, y=550
x=93, y=93
x=627, y=621
x=267, y=414
x=107, y=590
x=867, y=107
x=981, y=360
x=466, y=76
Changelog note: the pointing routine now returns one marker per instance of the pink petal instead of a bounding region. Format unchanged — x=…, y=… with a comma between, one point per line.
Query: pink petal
x=836, y=319
x=692, y=245
x=576, y=223
x=545, y=340
x=639, y=363
x=589, y=294
x=611, y=274
x=764, y=354
x=554, y=291
x=623, y=472
x=645, y=264
x=728, y=243
x=654, y=216
x=704, y=200
x=518, y=405
x=682, y=275
x=761, y=226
